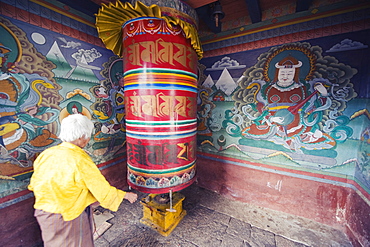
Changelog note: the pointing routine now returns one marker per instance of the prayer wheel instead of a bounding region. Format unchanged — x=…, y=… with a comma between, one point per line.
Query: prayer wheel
x=160, y=86
x=160, y=49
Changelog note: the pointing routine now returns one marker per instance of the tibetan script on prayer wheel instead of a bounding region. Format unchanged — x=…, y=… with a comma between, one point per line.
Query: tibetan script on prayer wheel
x=160, y=87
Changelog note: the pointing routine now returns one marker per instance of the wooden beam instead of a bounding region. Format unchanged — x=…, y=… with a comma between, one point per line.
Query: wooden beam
x=303, y=5
x=254, y=10
x=197, y=3
x=87, y=7
x=205, y=14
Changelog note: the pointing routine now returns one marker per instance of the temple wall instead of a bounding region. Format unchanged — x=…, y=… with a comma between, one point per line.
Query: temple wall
x=258, y=144
x=315, y=164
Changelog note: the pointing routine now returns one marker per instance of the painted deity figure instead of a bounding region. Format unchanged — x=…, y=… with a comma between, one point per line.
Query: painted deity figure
x=285, y=107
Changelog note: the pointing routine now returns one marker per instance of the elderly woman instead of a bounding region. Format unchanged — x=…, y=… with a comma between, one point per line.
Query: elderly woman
x=66, y=182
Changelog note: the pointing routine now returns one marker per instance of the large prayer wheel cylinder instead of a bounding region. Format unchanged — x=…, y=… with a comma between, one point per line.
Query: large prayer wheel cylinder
x=160, y=49
x=160, y=86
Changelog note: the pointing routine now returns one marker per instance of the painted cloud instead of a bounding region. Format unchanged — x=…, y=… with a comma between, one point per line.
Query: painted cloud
x=226, y=62
x=347, y=45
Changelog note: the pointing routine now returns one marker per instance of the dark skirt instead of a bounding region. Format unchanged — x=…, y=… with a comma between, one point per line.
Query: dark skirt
x=57, y=232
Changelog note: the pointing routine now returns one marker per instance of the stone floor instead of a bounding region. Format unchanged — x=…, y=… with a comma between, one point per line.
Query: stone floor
x=213, y=220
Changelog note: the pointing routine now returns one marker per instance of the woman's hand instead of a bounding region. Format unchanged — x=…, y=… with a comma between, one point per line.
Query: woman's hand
x=131, y=197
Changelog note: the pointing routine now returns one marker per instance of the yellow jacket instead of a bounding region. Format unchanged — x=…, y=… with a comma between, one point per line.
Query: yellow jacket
x=65, y=181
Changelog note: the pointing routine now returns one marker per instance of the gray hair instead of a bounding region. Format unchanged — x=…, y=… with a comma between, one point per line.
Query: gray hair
x=74, y=127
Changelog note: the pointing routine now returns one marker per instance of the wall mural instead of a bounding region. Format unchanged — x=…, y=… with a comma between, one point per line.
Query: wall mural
x=109, y=110
x=44, y=77
x=29, y=101
x=288, y=102
x=293, y=107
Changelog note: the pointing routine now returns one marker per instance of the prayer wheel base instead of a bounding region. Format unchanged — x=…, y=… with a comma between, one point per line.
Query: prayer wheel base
x=159, y=216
